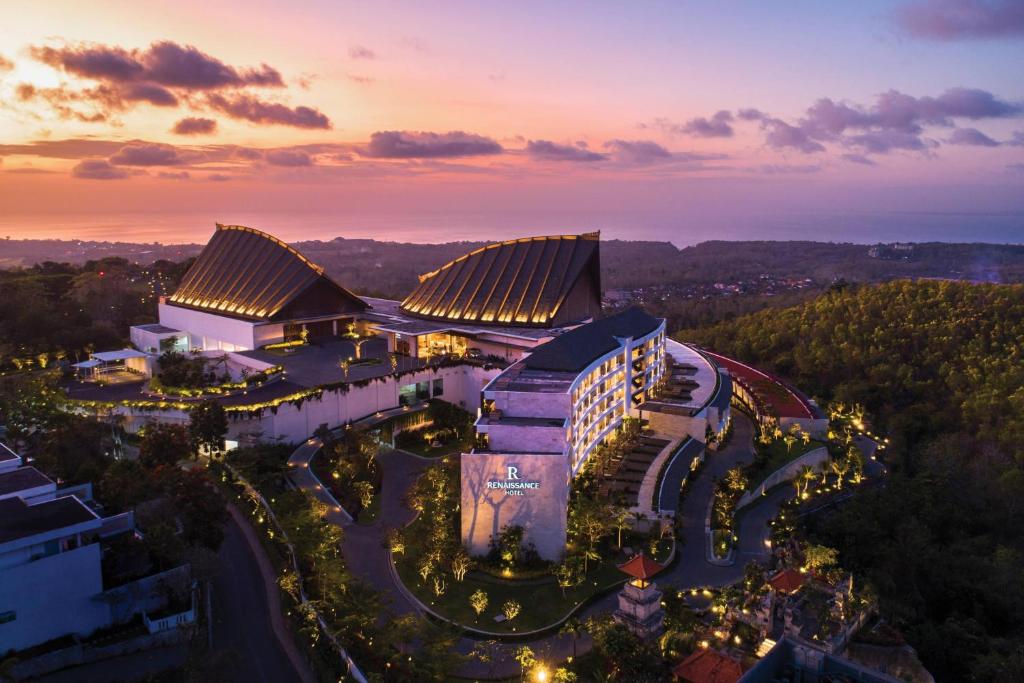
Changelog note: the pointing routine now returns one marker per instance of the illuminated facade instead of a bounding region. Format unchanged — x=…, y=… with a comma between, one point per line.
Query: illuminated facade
x=245, y=290
x=547, y=413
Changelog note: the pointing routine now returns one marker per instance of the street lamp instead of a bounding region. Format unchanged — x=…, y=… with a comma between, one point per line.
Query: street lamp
x=540, y=674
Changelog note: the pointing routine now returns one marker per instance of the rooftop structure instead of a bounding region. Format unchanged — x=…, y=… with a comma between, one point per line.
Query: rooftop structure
x=578, y=348
x=708, y=666
x=532, y=282
x=248, y=274
x=21, y=521
x=787, y=580
x=771, y=399
x=15, y=481
x=641, y=568
x=779, y=396
x=8, y=458
x=51, y=563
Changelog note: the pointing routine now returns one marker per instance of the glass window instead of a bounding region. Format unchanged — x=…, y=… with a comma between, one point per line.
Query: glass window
x=438, y=387
x=423, y=390
x=407, y=395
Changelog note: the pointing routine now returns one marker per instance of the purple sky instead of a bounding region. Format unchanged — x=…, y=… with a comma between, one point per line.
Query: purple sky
x=429, y=121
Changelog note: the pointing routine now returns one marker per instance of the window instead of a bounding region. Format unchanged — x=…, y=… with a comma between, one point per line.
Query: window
x=438, y=388
x=411, y=393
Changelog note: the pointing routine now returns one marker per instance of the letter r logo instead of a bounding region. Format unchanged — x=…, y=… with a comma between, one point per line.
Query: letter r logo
x=513, y=472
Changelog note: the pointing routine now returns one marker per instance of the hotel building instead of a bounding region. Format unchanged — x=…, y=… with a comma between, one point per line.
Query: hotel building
x=512, y=330
x=542, y=418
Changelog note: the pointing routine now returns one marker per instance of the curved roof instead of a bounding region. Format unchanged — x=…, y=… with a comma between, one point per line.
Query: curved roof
x=581, y=346
x=246, y=273
x=516, y=282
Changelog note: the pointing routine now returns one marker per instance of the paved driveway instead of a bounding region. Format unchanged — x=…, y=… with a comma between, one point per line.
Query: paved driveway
x=241, y=617
x=693, y=569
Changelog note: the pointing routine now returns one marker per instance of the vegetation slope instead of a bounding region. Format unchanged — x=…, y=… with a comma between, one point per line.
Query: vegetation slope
x=939, y=368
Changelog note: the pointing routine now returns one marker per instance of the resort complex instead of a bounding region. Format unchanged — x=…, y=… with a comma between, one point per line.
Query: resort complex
x=511, y=332
x=494, y=432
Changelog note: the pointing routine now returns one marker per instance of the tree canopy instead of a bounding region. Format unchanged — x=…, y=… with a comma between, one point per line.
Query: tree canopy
x=939, y=368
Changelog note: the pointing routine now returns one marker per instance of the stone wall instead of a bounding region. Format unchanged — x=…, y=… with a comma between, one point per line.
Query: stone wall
x=784, y=474
x=292, y=423
x=540, y=508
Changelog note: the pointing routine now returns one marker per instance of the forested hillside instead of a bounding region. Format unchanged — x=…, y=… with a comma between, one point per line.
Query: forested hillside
x=939, y=367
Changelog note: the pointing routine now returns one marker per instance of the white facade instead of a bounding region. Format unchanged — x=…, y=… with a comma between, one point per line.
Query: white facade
x=209, y=332
x=337, y=407
x=50, y=580
x=545, y=425
x=589, y=406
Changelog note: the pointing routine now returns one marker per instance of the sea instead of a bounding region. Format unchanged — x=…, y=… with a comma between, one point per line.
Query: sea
x=858, y=228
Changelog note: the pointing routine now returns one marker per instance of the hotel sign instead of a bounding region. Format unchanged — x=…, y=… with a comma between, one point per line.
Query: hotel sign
x=513, y=484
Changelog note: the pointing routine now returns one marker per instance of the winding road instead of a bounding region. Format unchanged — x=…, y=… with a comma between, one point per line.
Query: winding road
x=367, y=555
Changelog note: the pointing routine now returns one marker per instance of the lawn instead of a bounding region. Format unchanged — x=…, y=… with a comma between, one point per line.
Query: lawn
x=777, y=456
x=543, y=602
x=423, y=449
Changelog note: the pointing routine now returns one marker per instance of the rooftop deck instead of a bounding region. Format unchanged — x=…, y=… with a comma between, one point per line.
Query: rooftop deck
x=519, y=377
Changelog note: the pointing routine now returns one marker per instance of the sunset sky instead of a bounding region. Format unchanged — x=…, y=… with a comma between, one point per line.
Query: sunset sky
x=436, y=120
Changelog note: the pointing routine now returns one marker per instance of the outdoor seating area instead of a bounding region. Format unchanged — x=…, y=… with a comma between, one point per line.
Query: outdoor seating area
x=114, y=367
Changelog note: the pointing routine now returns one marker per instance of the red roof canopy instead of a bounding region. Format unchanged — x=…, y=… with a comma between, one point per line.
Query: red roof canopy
x=708, y=666
x=787, y=581
x=641, y=567
x=777, y=394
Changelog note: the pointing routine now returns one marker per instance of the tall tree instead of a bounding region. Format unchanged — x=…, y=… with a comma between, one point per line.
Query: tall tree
x=163, y=444
x=208, y=423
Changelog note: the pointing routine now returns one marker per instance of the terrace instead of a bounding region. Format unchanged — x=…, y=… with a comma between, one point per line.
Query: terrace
x=627, y=473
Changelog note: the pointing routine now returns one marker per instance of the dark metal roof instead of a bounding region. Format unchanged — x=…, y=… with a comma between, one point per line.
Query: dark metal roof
x=578, y=348
x=21, y=479
x=248, y=274
x=517, y=282
x=20, y=520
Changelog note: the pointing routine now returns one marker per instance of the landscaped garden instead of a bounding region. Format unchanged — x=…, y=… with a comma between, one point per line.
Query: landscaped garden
x=407, y=647
x=447, y=429
x=511, y=589
x=347, y=466
x=192, y=374
x=774, y=448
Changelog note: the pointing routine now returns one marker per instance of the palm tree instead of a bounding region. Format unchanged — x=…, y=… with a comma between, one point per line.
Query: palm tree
x=572, y=628
x=790, y=439
x=620, y=520
x=839, y=467
x=805, y=475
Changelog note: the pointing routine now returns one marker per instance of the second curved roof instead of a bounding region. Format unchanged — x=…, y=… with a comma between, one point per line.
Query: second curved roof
x=516, y=282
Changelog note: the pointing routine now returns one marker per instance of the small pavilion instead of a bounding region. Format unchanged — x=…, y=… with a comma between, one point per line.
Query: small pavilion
x=640, y=607
x=122, y=365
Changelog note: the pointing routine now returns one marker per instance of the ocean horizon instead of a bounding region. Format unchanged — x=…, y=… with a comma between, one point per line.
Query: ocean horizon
x=857, y=228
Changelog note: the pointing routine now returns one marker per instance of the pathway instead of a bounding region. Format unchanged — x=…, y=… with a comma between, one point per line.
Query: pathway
x=693, y=568
x=253, y=628
x=367, y=556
